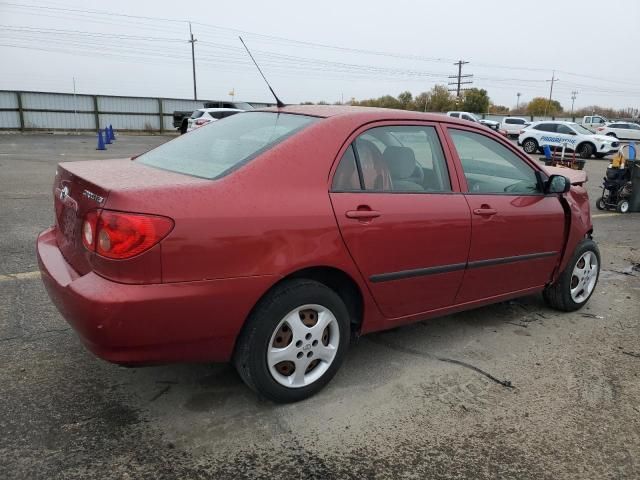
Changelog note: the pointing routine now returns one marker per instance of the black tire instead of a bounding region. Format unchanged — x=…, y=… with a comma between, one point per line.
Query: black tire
x=600, y=205
x=586, y=150
x=599, y=155
x=558, y=294
x=183, y=127
x=530, y=145
x=622, y=206
x=250, y=357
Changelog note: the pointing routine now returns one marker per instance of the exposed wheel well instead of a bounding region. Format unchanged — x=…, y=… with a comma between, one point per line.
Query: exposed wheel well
x=342, y=284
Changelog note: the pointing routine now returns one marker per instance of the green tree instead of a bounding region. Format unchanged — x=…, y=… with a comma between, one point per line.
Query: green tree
x=542, y=106
x=406, y=100
x=440, y=99
x=475, y=100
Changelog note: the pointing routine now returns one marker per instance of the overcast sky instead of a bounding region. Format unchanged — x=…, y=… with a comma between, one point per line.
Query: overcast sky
x=324, y=50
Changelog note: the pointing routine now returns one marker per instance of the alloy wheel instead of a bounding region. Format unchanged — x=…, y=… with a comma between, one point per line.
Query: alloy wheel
x=303, y=346
x=584, y=277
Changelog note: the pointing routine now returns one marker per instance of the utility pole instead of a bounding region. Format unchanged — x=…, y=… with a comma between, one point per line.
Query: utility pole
x=459, y=78
x=518, y=100
x=553, y=80
x=573, y=99
x=193, y=41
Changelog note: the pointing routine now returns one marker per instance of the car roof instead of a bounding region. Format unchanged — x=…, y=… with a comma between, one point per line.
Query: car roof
x=564, y=122
x=207, y=110
x=362, y=114
x=517, y=118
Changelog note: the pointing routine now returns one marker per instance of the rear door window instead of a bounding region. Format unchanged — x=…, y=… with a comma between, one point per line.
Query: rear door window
x=197, y=114
x=546, y=127
x=217, y=150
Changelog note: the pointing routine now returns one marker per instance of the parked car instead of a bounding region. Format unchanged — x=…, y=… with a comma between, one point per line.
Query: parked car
x=272, y=238
x=181, y=117
x=512, y=126
x=472, y=118
x=569, y=134
x=203, y=116
x=621, y=130
x=592, y=122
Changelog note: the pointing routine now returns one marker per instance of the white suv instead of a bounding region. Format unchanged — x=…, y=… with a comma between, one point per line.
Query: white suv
x=513, y=125
x=472, y=118
x=621, y=130
x=203, y=116
x=571, y=135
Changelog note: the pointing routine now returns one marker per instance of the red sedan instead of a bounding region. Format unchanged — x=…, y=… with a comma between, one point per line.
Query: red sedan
x=273, y=237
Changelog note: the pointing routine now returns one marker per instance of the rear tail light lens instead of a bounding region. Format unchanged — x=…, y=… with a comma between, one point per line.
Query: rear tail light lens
x=121, y=235
x=201, y=121
x=600, y=129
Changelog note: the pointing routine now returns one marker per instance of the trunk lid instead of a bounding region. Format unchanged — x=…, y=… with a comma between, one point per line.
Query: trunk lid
x=80, y=187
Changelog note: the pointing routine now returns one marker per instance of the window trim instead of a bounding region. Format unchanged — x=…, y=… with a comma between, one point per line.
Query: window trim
x=540, y=174
x=438, y=127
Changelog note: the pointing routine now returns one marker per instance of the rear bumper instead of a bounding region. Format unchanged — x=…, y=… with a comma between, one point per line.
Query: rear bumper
x=155, y=323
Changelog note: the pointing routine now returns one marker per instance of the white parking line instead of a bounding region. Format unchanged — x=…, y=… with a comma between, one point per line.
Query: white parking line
x=600, y=215
x=20, y=276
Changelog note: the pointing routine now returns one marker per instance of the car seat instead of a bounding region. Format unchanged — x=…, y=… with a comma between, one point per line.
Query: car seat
x=401, y=162
x=375, y=172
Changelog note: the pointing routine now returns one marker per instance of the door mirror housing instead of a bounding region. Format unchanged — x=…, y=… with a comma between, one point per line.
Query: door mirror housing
x=558, y=184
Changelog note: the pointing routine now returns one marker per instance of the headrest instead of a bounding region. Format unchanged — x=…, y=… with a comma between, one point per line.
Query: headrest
x=400, y=160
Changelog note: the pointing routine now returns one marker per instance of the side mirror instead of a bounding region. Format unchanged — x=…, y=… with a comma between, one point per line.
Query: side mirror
x=558, y=184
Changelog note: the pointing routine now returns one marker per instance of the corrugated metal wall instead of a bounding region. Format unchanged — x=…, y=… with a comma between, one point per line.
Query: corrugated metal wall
x=63, y=111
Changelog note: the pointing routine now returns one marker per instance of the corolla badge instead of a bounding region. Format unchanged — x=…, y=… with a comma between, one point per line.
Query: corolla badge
x=93, y=196
x=64, y=193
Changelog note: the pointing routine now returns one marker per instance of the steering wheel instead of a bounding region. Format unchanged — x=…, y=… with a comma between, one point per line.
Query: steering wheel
x=418, y=175
x=515, y=187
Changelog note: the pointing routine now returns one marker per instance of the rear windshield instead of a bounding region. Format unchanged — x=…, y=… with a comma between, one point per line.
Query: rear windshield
x=220, y=147
x=515, y=121
x=197, y=114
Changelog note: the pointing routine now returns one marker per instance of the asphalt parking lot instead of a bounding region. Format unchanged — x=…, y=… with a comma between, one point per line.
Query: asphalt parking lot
x=395, y=409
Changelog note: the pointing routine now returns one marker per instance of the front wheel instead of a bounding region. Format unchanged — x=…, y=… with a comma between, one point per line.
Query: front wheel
x=575, y=285
x=530, y=146
x=585, y=150
x=294, y=341
x=623, y=206
x=600, y=205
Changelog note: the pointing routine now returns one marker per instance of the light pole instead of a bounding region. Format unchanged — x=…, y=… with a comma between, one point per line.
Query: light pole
x=518, y=100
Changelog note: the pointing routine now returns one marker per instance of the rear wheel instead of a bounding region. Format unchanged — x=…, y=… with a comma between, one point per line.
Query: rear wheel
x=530, y=145
x=623, y=206
x=183, y=127
x=585, y=150
x=575, y=285
x=294, y=341
x=600, y=205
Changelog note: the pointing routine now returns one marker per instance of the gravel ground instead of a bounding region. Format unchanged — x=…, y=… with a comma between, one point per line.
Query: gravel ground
x=396, y=409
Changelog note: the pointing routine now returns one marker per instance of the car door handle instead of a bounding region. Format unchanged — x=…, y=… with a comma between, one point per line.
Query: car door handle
x=485, y=211
x=362, y=214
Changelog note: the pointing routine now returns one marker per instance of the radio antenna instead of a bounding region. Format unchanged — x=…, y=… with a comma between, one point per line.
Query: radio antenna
x=278, y=101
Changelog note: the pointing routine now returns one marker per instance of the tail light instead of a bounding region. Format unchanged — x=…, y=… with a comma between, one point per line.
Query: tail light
x=121, y=235
x=521, y=132
x=201, y=121
x=600, y=129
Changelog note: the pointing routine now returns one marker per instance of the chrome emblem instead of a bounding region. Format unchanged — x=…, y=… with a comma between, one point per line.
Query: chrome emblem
x=93, y=196
x=64, y=193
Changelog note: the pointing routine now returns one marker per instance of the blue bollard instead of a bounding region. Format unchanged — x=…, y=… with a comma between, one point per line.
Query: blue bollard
x=632, y=151
x=111, y=134
x=547, y=151
x=107, y=137
x=100, y=141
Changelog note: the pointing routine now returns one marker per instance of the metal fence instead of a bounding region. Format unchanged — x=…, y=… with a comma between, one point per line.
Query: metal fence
x=68, y=112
